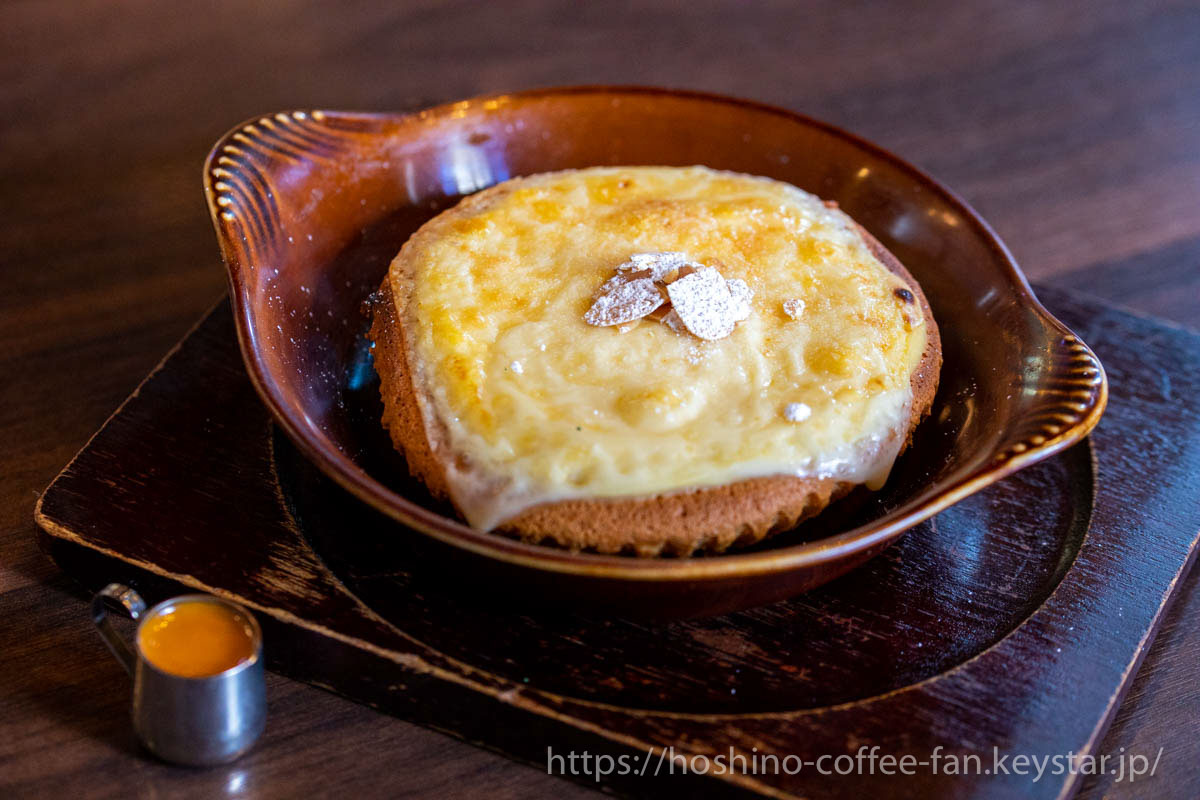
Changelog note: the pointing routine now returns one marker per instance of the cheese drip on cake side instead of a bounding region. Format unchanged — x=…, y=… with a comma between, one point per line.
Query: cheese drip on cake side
x=539, y=406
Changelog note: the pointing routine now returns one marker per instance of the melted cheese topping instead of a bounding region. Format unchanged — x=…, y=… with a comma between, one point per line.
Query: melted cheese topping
x=539, y=406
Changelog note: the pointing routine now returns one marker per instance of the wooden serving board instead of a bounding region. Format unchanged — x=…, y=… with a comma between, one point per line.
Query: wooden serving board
x=1013, y=621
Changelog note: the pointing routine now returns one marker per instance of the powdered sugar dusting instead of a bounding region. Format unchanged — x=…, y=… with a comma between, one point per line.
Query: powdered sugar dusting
x=742, y=295
x=796, y=412
x=659, y=264
x=674, y=289
x=704, y=304
x=623, y=277
x=794, y=307
x=624, y=303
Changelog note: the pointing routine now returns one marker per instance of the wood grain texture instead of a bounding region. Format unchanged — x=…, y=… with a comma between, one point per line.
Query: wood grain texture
x=1074, y=129
x=1013, y=620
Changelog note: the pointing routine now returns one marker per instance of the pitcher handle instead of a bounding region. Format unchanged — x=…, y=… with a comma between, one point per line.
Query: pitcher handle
x=113, y=596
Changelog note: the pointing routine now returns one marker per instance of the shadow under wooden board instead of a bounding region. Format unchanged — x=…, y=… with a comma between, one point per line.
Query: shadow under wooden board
x=1010, y=623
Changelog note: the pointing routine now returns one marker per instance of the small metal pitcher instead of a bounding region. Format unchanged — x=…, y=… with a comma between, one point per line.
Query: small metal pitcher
x=193, y=721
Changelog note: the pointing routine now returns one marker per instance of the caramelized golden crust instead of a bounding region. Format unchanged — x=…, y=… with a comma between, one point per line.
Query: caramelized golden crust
x=677, y=523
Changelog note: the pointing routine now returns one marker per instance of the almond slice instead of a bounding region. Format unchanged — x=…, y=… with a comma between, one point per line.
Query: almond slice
x=684, y=271
x=704, y=304
x=672, y=321
x=742, y=295
x=627, y=301
x=618, y=279
x=662, y=311
x=659, y=264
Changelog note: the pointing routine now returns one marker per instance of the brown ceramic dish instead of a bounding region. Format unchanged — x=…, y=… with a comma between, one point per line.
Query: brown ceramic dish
x=310, y=207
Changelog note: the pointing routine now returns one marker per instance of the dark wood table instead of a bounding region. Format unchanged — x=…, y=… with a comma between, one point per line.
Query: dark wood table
x=1074, y=129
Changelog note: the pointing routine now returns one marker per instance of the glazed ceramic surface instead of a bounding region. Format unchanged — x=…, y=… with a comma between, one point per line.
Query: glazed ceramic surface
x=310, y=207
